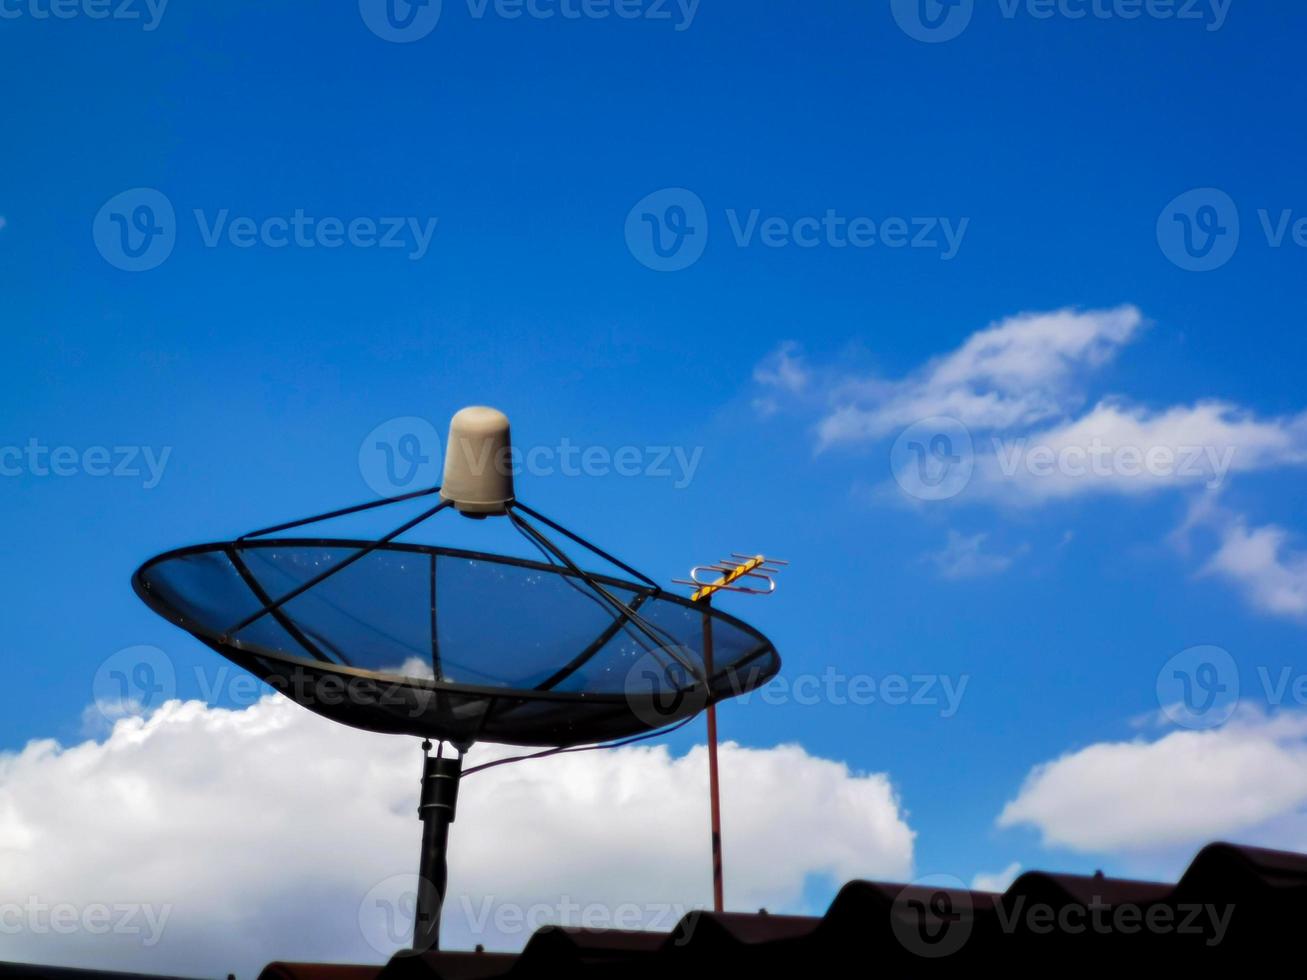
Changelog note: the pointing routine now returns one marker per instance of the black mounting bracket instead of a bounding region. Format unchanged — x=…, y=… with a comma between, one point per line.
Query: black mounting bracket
x=436, y=806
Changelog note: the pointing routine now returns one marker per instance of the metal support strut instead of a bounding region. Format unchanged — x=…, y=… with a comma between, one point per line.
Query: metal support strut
x=440, y=777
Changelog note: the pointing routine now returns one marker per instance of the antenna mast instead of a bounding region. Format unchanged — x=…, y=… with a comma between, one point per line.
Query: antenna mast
x=731, y=573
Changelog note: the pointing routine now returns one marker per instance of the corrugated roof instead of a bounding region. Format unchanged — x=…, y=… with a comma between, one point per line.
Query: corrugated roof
x=1233, y=904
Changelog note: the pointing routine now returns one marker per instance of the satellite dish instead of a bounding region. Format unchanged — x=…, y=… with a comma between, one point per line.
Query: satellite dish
x=458, y=646
x=455, y=645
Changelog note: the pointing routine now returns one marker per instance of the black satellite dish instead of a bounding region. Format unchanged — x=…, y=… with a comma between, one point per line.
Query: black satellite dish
x=458, y=646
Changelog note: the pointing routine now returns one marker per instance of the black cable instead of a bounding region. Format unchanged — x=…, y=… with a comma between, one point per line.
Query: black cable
x=663, y=654
x=586, y=544
x=668, y=643
x=551, y=560
x=563, y=750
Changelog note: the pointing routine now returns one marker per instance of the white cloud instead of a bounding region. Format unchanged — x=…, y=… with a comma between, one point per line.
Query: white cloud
x=783, y=373
x=783, y=369
x=256, y=834
x=963, y=557
x=1247, y=780
x=1017, y=387
x=1118, y=449
x=998, y=881
x=1259, y=561
x=1018, y=372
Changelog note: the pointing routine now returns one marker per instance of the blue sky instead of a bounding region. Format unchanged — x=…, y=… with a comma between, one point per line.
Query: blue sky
x=1053, y=150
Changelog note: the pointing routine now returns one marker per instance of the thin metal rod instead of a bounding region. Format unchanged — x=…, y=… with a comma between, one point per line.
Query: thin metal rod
x=633, y=617
x=586, y=544
x=343, y=512
x=714, y=783
x=338, y=567
x=283, y=620
x=770, y=561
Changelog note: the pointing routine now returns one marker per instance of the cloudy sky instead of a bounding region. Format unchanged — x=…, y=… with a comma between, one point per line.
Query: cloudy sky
x=1001, y=355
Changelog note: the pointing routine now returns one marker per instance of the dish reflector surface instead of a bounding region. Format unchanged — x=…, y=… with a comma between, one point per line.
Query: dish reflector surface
x=454, y=644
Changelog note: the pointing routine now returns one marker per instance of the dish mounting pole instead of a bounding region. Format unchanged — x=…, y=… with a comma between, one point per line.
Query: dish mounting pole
x=439, y=798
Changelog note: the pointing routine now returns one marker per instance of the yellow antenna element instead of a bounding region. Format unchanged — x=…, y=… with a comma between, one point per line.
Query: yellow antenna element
x=730, y=575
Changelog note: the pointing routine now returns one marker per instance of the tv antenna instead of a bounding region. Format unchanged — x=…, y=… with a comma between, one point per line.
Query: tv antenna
x=731, y=574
